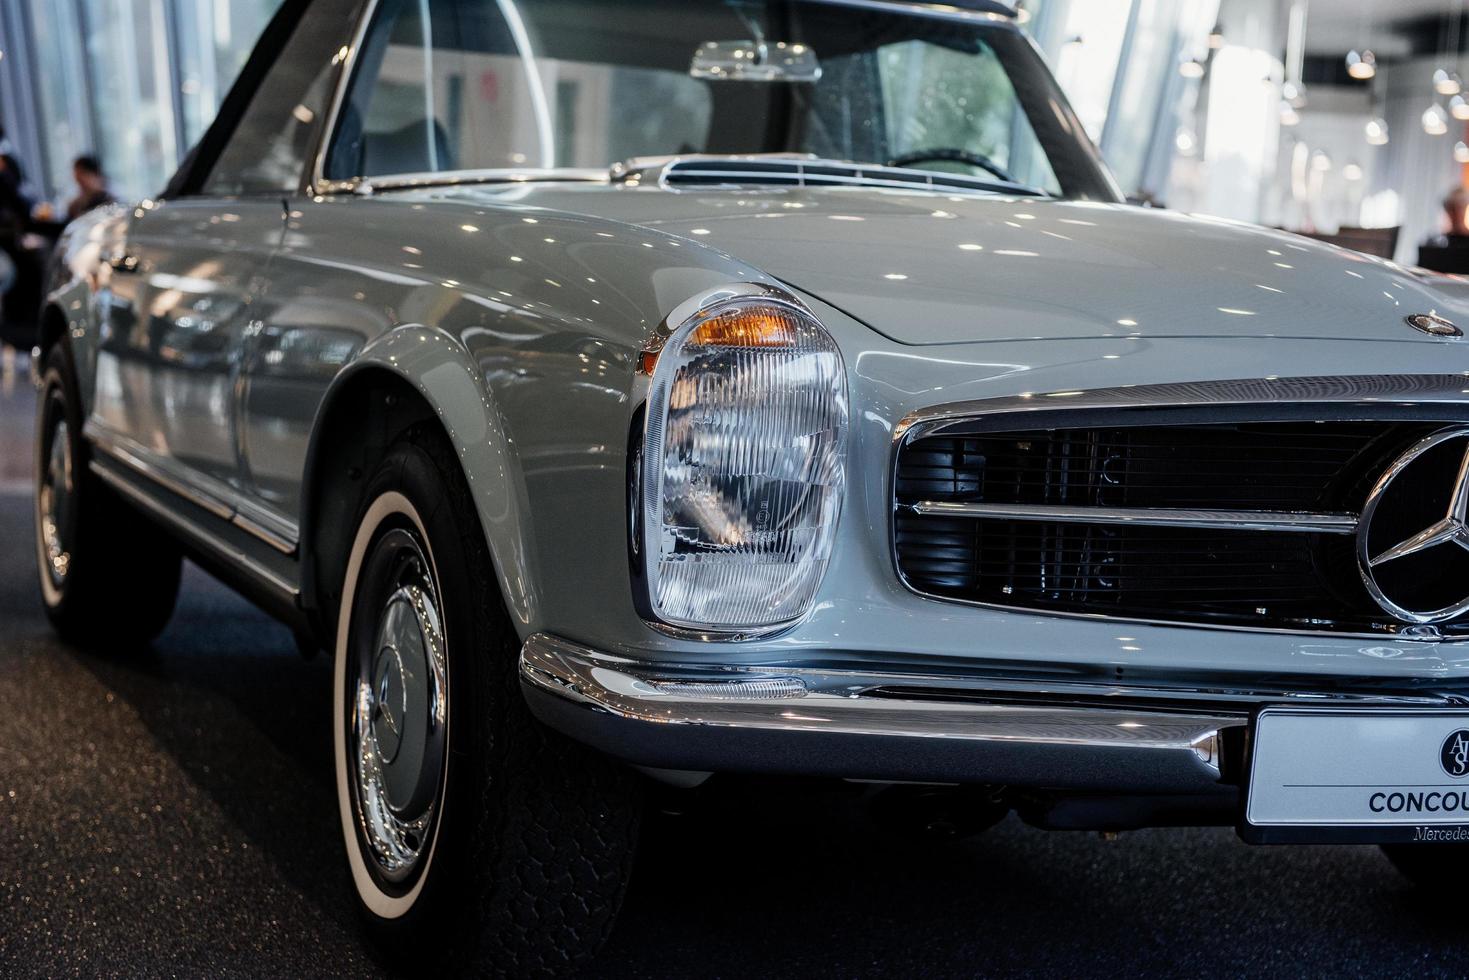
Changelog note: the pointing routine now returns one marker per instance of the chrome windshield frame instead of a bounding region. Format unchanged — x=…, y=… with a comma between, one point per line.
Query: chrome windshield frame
x=317, y=184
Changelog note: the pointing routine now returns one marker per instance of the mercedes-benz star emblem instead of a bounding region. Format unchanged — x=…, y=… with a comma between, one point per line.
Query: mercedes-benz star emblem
x=1455, y=754
x=1420, y=507
x=1434, y=325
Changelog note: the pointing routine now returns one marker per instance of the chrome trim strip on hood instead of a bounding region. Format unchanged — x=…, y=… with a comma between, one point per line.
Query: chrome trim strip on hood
x=1237, y=520
x=1365, y=390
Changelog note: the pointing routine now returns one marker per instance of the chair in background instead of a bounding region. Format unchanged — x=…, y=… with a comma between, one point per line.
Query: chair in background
x=1381, y=242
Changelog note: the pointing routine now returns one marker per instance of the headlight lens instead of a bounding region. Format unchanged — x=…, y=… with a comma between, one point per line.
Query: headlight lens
x=743, y=466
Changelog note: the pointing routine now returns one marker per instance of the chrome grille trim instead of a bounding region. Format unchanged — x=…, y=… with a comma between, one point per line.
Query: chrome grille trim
x=1369, y=393
x=1345, y=398
x=1238, y=520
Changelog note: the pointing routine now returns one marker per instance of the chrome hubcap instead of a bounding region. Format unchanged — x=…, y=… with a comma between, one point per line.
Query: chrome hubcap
x=400, y=715
x=53, y=499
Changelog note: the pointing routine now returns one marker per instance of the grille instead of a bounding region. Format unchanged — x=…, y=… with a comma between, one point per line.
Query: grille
x=973, y=520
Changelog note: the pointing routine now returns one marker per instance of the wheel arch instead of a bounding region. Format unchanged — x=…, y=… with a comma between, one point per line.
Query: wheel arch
x=411, y=374
x=52, y=329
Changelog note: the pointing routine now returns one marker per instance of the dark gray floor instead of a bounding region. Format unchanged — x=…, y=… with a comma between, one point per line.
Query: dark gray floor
x=173, y=814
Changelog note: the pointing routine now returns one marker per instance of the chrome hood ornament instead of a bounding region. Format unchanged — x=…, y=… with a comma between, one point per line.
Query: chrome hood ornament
x=1433, y=325
x=1413, y=539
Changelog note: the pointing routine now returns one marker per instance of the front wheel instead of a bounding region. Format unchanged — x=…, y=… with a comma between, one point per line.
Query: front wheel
x=474, y=836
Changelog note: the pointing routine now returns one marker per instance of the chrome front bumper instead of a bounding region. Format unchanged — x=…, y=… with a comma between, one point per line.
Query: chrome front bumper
x=866, y=724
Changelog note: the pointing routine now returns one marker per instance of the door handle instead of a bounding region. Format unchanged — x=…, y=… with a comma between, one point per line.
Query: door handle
x=125, y=263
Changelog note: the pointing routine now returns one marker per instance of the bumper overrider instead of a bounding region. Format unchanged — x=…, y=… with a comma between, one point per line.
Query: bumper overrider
x=867, y=724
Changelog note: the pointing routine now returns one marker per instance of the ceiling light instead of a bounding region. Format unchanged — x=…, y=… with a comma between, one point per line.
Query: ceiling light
x=1459, y=108
x=1193, y=68
x=1435, y=120
x=1288, y=114
x=1361, y=65
x=1376, y=130
x=1446, y=82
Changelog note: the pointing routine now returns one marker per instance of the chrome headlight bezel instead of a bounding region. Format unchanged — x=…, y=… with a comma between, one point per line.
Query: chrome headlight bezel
x=660, y=366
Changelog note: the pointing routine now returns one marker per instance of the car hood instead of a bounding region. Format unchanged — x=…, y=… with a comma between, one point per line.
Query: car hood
x=937, y=269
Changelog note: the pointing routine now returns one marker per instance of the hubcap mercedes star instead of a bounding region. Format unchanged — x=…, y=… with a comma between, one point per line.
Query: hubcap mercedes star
x=53, y=504
x=1413, y=539
x=400, y=718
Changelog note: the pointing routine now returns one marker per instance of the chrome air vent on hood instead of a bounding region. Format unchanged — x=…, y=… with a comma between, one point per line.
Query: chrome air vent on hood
x=801, y=170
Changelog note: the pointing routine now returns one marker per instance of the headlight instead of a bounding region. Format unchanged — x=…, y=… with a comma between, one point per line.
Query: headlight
x=742, y=467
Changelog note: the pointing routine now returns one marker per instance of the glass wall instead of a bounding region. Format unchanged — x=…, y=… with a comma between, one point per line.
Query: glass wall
x=60, y=85
x=127, y=51
x=135, y=82
x=1125, y=66
x=213, y=39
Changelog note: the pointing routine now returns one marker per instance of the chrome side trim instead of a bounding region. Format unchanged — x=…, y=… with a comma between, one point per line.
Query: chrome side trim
x=198, y=535
x=1239, y=520
x=137, y=460
x=276, y=530
x=799, y=701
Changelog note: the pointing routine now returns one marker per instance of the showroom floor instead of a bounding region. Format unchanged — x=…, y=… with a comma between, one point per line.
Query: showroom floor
x=174, y=814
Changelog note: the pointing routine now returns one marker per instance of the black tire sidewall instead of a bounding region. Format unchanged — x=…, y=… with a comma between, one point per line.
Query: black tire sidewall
x=412, y=473
x=58, y=384
x=536, y=834
x=123, y=579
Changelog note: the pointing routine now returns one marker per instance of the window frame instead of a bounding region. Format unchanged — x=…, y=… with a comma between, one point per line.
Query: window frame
x=1090, y=172
x=189, y=179
x=316, y=180
x=331, y=128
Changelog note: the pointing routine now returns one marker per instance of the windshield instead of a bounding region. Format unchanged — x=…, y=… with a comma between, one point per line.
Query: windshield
x=504, y=84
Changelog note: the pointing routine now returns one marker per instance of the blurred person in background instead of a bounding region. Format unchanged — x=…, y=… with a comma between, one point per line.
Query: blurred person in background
x=1456, y=206
x=25, y=257
x=92, y=189
x=1450, y=252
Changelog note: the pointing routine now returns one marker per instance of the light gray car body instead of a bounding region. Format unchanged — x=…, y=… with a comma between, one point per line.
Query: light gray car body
x=218, y=341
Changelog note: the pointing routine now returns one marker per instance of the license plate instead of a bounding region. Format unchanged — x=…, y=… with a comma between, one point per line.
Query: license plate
x=1359, y=775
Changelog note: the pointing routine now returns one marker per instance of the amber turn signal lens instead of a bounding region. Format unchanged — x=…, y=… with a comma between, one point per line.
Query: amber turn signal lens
x=757, y=326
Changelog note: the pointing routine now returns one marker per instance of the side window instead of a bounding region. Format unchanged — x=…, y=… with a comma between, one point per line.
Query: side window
x=267, y=152
x=411, y=106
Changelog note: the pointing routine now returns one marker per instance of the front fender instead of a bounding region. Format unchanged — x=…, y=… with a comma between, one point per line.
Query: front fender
x=449, y=382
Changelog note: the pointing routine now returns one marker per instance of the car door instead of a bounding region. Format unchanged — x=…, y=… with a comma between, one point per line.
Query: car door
x=344, y=275
x=166, y=374
x=191, y=278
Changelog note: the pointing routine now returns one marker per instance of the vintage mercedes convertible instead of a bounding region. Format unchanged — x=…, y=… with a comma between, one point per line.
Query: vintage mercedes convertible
x=644, y=392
